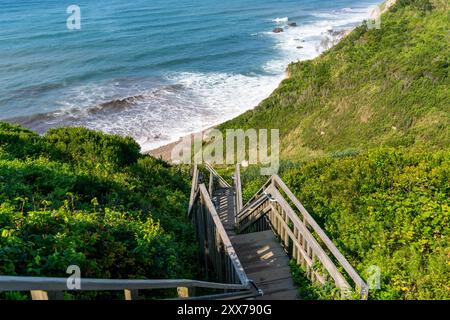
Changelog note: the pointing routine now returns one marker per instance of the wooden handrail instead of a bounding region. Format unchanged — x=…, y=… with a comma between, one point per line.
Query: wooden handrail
x=12, y=283
x=223, y=238
x=311, y=241
x=217, y=175
x=194, y=186
x=305, y=246
x=238, y=190
x=322, y=235
x=248, y=211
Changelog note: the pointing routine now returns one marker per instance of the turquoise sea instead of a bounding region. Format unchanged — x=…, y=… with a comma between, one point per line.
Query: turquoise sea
x=157, y=69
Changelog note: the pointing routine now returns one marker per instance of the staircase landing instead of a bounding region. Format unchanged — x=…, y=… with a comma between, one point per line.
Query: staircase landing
x=266, y=263
x=262, y=256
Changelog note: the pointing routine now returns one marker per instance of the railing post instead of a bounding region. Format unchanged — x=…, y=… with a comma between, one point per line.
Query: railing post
x=238, y=189
x=131, y=294
x=39, y=295
x=194, y=186
x=211, y=184
x=183, y=292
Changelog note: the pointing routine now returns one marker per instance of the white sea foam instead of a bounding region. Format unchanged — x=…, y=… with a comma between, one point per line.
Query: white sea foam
x=281, y=20
x=157, y=116
x=219, y=97
x=305, y=41
x=195, y=101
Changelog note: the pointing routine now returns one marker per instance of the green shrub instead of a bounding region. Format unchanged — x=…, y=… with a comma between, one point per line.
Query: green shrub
x=87, y=147
x=386, y=207
x=18, y=142
x=386, y=86
x=80, y=197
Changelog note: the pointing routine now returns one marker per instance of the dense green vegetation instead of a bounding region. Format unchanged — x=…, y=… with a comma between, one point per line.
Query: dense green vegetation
x=385, y=86
x=79, y=197
x=365, y=145
x=388, y=207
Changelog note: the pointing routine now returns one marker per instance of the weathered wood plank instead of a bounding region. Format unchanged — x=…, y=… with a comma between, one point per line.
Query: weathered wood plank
x=312, y=243
x=265, y=262
x=39, y=295
x=322, y=235
x=131, y=294
x=9, y=283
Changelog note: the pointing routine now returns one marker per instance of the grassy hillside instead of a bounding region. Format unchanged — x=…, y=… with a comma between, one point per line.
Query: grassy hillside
x=79, y=197
x=376, y=87
x=365, y=145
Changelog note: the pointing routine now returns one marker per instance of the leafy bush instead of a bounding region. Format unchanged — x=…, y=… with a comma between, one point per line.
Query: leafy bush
x=83, y=146
x=423, y=5
x=387, y=207
x=16, y=141
x=75, y=196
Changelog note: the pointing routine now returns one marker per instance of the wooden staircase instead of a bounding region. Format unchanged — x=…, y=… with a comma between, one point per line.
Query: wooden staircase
x=260, y=253
x=270, y=230
x=224, y=200
x=245, y=249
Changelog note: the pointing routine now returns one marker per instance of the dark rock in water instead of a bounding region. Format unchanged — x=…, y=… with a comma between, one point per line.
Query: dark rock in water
x=278, y=30
x=292, y=24
x=336, y=33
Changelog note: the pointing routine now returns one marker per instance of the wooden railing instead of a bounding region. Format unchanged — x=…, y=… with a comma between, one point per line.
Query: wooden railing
x=275, y=206
x=45, y=288
x=218, y=255
x=238, y=189
x=214, y=176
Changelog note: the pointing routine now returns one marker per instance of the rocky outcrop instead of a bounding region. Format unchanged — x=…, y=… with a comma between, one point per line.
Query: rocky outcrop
x=278, y=30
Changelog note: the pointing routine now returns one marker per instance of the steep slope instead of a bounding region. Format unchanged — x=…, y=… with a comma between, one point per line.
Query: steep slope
x=387, y=86
x=365, y=137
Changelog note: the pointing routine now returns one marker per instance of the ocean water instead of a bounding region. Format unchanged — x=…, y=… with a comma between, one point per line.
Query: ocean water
x=155, y=70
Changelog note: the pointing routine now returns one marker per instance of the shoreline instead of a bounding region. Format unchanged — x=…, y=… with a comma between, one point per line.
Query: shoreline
x=164, y=152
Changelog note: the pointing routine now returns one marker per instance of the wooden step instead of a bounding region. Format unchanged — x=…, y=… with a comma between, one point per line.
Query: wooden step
x=266, y=263
x=262, y=256
x=223, y=200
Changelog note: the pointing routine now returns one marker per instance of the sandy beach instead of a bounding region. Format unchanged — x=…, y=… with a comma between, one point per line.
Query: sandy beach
x=164, y=152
